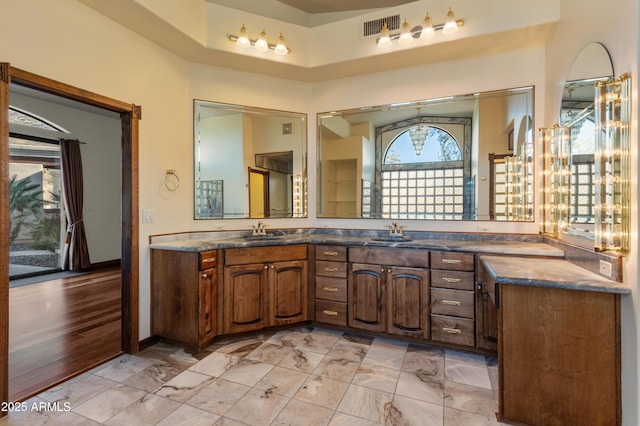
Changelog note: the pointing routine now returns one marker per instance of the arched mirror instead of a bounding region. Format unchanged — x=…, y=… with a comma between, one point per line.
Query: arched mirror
x=592, y=65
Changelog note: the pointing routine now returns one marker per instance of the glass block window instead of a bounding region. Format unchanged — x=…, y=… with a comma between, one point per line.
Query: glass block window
x=582, y=189
x=420, y=194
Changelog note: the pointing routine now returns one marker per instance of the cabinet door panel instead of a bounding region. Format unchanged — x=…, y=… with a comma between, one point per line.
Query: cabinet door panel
x=208, y=292
x=408, y=302
x=288, y=292
x=245, y=293
x=367, y=301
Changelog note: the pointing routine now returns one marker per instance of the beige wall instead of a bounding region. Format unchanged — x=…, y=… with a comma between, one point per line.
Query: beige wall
x=70, y=42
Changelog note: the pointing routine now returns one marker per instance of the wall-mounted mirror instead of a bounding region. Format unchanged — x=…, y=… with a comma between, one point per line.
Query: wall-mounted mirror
x=249, y=162
x=446, y=159
x=592, y=65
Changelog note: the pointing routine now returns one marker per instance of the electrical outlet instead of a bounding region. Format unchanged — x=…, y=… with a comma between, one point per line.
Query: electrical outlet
x=605, y=268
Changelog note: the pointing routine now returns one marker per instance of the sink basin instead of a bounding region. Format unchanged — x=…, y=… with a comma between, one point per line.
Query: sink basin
x=262, y=237
x=393, y=238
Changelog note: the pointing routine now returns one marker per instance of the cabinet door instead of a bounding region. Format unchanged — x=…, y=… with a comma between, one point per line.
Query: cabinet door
x=245, y=297
x=408, y=302
x=367, y=297
x=486, y=312
x=207, y=306
x=288, y=292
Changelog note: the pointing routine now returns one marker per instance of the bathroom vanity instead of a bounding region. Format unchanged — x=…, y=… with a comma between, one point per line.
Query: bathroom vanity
x=559, y=341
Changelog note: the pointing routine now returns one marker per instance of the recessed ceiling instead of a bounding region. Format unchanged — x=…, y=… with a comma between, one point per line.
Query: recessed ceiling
x=309, y=13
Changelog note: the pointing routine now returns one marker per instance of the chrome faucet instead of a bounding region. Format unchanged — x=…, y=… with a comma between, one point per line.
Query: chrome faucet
x=259, y=229
x=396, y=230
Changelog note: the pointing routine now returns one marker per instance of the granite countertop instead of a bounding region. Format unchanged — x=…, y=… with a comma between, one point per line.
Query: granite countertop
x=556, y=273
x=230, y=240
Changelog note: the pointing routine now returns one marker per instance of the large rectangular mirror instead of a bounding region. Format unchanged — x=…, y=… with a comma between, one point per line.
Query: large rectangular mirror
x=249, y=162
x=467, y=157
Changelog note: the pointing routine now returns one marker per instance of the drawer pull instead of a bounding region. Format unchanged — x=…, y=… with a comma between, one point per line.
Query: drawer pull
x=331, y=269
x=451, y=302
x=451, y=280
x=451, y=330
x=330, y=313
x=330, y=253
x=209, y=260
x=331, y=289
x=451, y=261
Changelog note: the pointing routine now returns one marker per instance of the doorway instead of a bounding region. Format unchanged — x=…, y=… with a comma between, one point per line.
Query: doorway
x=258, y=193
x=130, y=115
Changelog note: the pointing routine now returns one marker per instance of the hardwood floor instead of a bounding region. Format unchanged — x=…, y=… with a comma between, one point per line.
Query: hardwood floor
x=62, y=327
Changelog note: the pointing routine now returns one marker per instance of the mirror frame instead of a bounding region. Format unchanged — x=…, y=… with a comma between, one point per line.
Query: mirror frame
x=299, y=177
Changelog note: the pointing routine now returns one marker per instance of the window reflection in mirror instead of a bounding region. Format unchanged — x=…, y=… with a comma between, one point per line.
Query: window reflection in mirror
x=248, y=162
x=440, y=159
x=592, y=65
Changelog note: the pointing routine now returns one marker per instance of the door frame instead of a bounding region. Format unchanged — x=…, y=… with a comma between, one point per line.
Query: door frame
x=265, y=191
x=130, y=115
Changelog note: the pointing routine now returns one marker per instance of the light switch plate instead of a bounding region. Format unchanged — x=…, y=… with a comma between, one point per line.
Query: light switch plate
x=148, y=216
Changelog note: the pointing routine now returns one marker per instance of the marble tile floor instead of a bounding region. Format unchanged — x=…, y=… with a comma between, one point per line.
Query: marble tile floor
x=304, y=376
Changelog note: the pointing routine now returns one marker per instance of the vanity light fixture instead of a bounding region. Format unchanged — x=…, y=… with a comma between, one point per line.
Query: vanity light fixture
x=612, y=164
x=261, y=44
x=424, y=32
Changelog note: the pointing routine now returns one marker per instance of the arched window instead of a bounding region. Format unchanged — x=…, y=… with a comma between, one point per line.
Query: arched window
x=423, y=175
x=423, y=144
x=25, y=118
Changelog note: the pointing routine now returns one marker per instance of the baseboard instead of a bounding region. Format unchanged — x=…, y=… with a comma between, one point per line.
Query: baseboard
x=116, y=263
x=148, y=342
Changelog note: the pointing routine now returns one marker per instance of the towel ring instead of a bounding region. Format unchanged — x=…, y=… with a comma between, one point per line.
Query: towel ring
x=171, y=180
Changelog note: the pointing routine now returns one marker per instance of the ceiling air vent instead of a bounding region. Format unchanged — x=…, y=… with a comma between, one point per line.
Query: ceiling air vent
x=372, y=28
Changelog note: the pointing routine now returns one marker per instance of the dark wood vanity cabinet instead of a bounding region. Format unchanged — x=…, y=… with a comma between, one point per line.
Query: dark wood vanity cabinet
x=389, y=290
x=184, y=296
x=331, y=284
x=453, y=302
x=265, y=286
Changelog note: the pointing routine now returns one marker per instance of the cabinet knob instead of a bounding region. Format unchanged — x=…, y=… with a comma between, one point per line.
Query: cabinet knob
x=204, y=275
x=479, y=286
x=266, y=266
x=381, y=269
x=273, y=267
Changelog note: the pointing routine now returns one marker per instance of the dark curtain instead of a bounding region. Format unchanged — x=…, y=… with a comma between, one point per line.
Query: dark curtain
x=75, y=255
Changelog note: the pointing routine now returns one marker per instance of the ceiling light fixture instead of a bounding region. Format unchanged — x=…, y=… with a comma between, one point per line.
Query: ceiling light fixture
x=261, y=44
x=424, y=32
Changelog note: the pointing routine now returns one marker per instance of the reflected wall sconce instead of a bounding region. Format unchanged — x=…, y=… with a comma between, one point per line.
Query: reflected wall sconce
x=424, y=32
x=260, y=44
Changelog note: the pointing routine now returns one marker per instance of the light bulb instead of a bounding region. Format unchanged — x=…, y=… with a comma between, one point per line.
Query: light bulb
x=281, y=48
x=450, y=24
x=243, y=38
x=261, y=43
x=427, y=28
x=385, y=38
x=405, y=33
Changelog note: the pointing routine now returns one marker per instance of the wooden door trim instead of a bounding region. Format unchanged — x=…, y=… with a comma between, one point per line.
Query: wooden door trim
x=130, y=116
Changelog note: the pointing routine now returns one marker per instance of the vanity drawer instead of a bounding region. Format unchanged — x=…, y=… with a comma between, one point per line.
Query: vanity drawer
x=333, y=253
x=460, y=331
x=331, y=289
x=331, y=312
x=458, y=280
x=331, y=269
x=252, y=255
x=208, y=259
x=452, y=261
x=458, y=303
